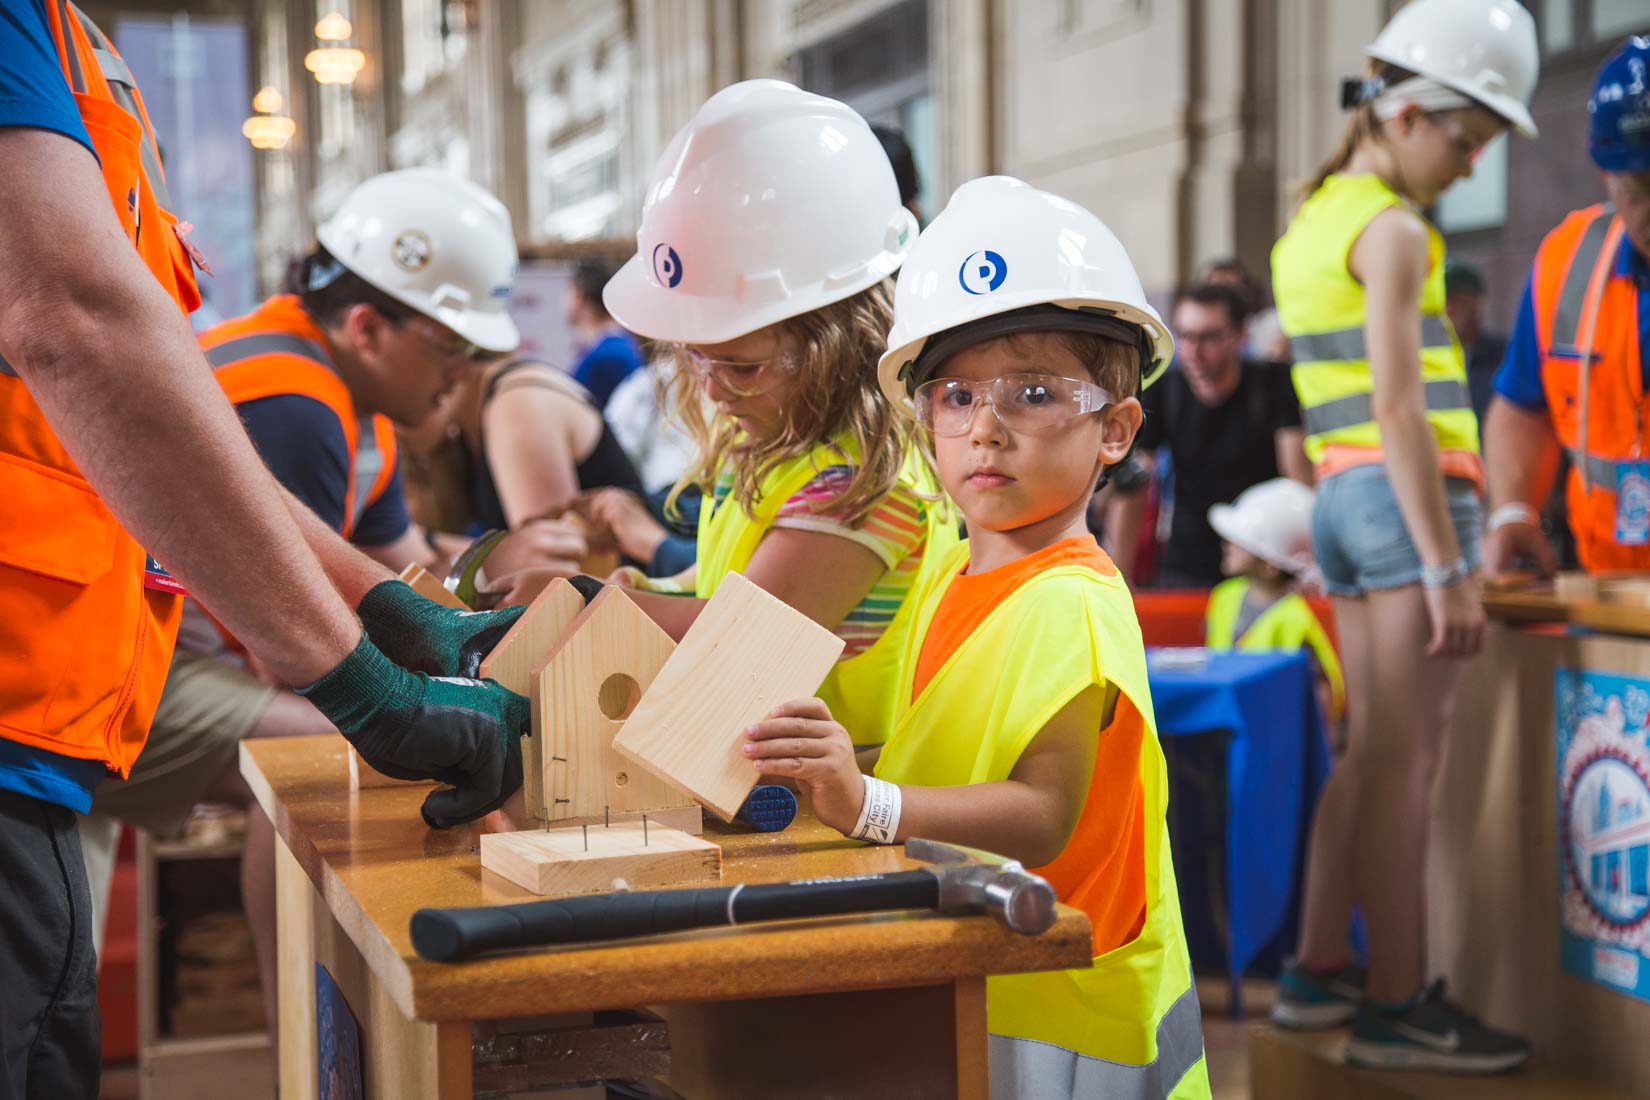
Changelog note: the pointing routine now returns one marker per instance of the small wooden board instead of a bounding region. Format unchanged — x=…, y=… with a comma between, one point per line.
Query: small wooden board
x=557, y=861
x=540, y=628
x=582, y=691
x=1612, y=603
x=425, y=584
x=746, y=653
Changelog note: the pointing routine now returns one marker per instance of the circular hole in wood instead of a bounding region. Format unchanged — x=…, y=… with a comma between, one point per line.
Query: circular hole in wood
x=621, y=779
x=618, y=696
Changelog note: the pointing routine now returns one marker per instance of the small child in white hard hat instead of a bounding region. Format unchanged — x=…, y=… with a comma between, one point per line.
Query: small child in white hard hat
x=1267, y=551
x=1023, y=720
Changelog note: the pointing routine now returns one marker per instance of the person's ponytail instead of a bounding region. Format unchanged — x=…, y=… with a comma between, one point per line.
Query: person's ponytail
x=1362, y=127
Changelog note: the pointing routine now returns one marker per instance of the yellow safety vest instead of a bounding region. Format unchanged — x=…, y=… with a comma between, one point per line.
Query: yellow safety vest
x=1285, y=626
x=1321, y=308
x=1127, y=1027
x=859, y=690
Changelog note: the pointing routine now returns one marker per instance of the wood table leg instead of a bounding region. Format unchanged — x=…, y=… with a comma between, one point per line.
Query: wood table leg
x=401, y=1058
x=911, y=1043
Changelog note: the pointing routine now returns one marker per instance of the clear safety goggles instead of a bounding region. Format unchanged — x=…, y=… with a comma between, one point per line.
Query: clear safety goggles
x=1021, y=402
x=742, y=378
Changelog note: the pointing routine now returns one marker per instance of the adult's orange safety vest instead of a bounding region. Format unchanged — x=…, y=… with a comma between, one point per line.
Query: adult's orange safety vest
x=276, y=350
x=86, y=645
x=1585, y=310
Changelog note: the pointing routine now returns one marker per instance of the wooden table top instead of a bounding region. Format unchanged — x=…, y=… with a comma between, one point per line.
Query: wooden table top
x=372, y=858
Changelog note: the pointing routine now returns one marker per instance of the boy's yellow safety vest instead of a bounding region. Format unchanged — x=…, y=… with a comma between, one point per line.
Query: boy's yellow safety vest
x=1321, y=308
x=1285, y=626
x=1128, y=1026
x=859, y=690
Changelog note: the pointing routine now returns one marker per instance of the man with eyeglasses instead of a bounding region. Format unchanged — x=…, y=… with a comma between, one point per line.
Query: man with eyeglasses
x=1227, y=422
x=1587, y=302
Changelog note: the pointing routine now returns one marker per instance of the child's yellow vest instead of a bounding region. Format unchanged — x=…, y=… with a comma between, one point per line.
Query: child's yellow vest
x=1286, y=626
x=859, y=690
x=1128, y=1026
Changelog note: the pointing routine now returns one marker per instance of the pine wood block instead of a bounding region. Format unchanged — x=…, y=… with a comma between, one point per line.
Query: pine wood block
x=558, y=861
x=583, y=690
x=425, y=584
x=518, y=653
x=746, y=653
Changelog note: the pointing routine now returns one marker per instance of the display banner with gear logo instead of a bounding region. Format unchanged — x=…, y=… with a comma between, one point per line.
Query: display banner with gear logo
x=1604, y=828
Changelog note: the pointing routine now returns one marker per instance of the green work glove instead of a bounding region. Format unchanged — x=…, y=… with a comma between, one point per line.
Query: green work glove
x=412, y=726
x=425, y=636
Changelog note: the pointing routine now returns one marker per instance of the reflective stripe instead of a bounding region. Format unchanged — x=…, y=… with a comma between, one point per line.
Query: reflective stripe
x=369, y=463
x=1029, y=1067
x=77, y=78
x=1598, y=470
x=1572, y=296
x=1442, y=395
x=1348, y=343
x=124, y=91
x=267, y=343
x=369, y=460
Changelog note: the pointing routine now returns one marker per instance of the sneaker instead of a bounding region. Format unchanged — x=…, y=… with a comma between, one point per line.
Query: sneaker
x=1308, y=1001
x=1431, y=1033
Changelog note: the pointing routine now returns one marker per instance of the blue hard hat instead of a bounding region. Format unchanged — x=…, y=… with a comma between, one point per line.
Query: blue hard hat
x=1618, y=114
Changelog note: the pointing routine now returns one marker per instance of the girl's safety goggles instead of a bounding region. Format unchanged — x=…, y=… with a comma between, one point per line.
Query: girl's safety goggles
x=1021, y=402
x=741, y=378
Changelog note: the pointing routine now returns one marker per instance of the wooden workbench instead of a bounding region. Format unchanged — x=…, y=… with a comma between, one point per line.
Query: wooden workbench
x=886, y=1006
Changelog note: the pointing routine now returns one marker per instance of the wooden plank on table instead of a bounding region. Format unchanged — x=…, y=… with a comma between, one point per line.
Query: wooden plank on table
x=746, y=653
x=591, y=859
x=513, y=660
x=583, y=690
x=425, y=584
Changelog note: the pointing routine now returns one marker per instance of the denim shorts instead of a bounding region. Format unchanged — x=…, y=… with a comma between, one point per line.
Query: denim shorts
x=1360, y=539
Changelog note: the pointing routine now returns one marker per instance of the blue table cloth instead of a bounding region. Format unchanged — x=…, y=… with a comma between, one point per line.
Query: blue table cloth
x=1277, y=759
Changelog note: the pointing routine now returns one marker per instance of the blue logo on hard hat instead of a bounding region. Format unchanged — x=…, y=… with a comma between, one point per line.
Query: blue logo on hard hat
x=982, y=272
x=667, y=266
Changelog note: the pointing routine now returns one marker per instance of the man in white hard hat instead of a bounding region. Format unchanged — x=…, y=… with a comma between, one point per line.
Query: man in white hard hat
x=320, y=376
x=121, y=456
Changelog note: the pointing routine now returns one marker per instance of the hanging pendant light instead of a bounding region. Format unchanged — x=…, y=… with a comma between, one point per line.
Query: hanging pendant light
x=334, y=63
x=268, y=128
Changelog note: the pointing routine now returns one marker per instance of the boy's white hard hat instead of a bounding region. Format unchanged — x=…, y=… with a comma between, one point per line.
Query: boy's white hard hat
x=770, y=203
x=436, y=243
x=1001, y=245
x=1272, y=520
x=1484, y=49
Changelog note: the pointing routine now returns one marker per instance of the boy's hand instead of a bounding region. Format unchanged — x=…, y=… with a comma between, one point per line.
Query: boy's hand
x=801, y=741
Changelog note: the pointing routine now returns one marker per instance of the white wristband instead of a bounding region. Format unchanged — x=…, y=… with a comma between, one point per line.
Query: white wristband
x=879, y=813
x=1516, y=512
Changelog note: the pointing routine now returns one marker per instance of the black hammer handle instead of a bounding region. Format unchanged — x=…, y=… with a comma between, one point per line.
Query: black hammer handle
x=452, y=935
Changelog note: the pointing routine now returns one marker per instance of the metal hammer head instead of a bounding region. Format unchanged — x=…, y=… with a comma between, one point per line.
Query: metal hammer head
x=973, y=881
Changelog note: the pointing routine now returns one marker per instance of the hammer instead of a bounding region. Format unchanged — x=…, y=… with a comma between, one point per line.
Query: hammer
x=955, y=880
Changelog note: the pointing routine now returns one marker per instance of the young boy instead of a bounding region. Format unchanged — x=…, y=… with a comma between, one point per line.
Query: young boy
x=1023, y=721
x=1268, y=544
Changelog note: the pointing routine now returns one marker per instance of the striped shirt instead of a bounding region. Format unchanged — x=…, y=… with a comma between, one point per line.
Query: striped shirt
x=895, y=531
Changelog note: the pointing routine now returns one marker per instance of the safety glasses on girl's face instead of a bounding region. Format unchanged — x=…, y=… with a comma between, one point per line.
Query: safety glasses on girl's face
x=750, y=378
x=1467, y=146
x=1022, y=402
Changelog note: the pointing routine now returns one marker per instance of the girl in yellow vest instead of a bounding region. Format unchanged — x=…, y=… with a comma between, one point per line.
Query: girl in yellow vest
x=1267, y=533
x=768, y=236
x=1358, y=278
x=1023, y=722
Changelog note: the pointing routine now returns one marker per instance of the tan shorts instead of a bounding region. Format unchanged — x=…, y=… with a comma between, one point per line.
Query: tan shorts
x=208, y=706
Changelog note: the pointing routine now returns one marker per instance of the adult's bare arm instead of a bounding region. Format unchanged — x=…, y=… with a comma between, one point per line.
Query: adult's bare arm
x=112, y=364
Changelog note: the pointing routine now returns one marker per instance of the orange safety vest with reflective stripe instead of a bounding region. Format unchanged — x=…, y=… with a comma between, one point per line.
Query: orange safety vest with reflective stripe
x=86, y=645
x=1583, y=308
x=276, y=350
